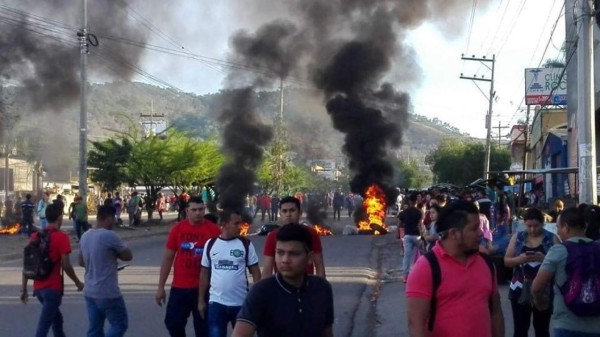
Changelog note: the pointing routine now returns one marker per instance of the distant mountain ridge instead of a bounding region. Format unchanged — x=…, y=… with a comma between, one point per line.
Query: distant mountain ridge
x=112, y=107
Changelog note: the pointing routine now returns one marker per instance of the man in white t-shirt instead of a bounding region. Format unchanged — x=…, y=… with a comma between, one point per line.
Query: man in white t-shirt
x=224, y=262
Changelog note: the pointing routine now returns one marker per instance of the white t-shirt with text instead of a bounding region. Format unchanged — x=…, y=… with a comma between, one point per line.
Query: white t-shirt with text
x=228, y=280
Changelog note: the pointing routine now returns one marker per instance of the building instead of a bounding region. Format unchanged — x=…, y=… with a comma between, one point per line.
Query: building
x=555, y=155
x=543, y=120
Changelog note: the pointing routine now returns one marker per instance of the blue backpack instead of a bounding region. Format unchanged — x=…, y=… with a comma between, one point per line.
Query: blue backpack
x=581, y=292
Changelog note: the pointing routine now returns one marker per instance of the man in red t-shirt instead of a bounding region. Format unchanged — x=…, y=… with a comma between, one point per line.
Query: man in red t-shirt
x=49, y=291
x=467, y=302
x=289, y=212
x=183, y=251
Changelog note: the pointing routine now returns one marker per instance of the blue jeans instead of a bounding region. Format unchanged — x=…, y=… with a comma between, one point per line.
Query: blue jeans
x=80, y=228
x=218, y=316
x=43, y=223
x=570, y=333
x=50, y=315
x=181, y=303
x=411, y=244
x=111, y=309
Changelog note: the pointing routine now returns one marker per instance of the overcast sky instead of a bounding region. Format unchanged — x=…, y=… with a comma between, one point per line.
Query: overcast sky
x=517, y=32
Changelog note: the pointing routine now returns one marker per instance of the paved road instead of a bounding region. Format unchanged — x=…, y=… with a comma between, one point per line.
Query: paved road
x=369, y=299
x=348, y=261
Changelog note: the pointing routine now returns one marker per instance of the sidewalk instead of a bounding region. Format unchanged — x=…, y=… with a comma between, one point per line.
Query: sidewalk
x=11, y=246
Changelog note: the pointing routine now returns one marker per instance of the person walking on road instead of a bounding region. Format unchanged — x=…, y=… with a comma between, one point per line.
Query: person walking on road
x=49, y=291
x=411, y=220
x=465, y=301
x=80, y=217
x=338, y=203
x=41, y=210
x=118, y=203
x=290, y=211
x=554, y=272
x=525, y=253
x=100, y=250
x=183, y=252
x=224, y=263
x=27, y=212
x=291, y=303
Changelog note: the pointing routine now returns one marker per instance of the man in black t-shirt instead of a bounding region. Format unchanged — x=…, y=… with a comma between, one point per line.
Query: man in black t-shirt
x=411, y=220
x=291, y=303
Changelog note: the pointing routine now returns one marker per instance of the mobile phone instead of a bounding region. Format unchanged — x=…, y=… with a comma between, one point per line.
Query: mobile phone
x=121, y=267
x=530, y=253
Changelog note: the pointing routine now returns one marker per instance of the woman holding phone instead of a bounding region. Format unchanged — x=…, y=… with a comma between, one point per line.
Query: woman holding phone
x=525, y=253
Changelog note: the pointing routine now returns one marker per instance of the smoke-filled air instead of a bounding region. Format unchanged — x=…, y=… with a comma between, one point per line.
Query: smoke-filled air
x=348, y=50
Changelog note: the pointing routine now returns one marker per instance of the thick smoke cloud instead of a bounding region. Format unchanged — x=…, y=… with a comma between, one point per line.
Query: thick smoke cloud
x=39, y=48
x=244, y=137
x=346, y=48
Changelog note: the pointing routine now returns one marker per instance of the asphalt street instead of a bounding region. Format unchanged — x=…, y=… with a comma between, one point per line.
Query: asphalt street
x=364, y=271
x=347, y=269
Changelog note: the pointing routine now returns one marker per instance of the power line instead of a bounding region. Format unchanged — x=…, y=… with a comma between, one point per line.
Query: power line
x=472, y=18
x=512, y=26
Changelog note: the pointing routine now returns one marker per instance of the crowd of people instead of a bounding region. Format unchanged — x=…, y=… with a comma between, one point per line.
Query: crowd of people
x=451, y=277
x=290, y=296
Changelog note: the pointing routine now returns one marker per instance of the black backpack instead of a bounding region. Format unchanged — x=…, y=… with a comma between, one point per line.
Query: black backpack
x=436, y=274
x=36, y=257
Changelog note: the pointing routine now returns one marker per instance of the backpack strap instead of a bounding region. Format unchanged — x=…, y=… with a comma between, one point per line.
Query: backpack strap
x=246, y=243
x=211, y=243
x=436, y=275
x=490, y=265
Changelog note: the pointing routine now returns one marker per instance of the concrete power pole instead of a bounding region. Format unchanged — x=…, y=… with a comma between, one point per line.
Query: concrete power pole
x=488, y=117
x=83, y=48
x=500, y=128
x=586, y=105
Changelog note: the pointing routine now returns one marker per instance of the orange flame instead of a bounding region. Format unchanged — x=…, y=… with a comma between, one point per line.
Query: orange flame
x=11, y=230
x=245, y=228
x=322, y=231
x=375, y=207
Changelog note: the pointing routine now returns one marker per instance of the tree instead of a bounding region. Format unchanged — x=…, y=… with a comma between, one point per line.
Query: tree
x=108, y=160
x=412, y=176
x=294, y=177
x=460, y=162
x=156, y=160
x=209, y=159
x=172, y=160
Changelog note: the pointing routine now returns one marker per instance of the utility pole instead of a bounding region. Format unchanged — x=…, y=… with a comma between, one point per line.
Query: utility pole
x=500, y=127
x=526, y=133
x=279, y=146
x=488, y=117
x=525, y=151
x=586, y=105
x=152, y=115
x=83, y=50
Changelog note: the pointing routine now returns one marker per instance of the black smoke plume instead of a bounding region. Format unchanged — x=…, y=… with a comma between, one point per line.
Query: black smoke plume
x=244, y=137
x=39, y=47
x=273, y=54
x=347, y=47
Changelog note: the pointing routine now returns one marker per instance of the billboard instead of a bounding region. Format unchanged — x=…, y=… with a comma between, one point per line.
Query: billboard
x=545, y=86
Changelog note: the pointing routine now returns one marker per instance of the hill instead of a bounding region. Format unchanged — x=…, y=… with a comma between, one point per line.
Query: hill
x=113, y=107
